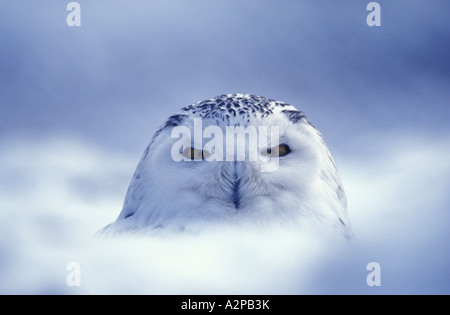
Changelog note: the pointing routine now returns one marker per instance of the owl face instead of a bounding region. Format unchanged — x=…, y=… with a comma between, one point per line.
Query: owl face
x=237, y=159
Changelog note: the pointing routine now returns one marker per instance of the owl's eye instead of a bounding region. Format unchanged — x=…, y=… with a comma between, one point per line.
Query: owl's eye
x=194, y=154
x=281, y=150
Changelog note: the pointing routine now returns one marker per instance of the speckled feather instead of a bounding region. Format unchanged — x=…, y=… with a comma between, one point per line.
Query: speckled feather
x=239, y=108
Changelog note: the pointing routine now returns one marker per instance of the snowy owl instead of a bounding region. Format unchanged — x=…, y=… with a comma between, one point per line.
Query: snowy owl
x=237, y=159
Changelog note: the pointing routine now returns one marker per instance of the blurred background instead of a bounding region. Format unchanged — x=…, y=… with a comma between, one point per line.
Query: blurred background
x=78, y=105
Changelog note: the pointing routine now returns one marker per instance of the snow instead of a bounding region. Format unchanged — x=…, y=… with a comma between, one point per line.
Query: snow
x=55, y=194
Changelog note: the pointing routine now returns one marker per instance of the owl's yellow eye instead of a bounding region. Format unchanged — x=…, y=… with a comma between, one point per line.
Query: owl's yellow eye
x=194, y=154
x=281, y=150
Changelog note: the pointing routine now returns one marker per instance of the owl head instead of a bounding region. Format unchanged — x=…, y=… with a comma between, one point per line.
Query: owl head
x=235, y=159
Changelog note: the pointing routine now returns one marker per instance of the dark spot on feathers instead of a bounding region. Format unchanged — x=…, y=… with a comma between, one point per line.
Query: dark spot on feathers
x=175, y=120
x=148, y=147
x=294, y=115
x=129, y=215
x=340, y=191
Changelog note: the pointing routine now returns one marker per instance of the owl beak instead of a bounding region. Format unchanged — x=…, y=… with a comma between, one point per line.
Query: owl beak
x=238, y=170
x=236, y=195
x=231, y=172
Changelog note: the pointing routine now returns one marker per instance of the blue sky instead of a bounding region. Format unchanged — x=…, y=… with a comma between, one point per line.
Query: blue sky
x=130, y=65
x=380, y=96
